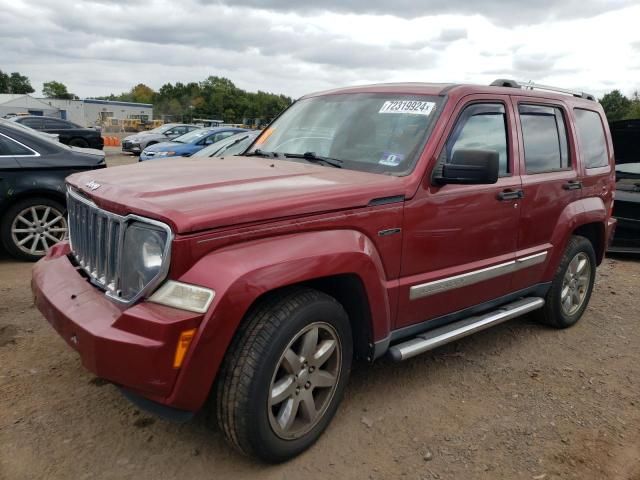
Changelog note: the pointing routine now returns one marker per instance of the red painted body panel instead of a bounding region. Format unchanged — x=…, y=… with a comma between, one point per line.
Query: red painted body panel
x=246, y=226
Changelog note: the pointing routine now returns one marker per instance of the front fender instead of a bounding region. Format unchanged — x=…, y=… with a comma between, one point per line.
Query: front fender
x=240, y=274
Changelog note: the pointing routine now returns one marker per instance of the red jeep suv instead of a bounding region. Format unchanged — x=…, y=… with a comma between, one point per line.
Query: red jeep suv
x=364, y=221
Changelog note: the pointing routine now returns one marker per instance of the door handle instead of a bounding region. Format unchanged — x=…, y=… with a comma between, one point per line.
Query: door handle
x=572, y=185
x=510, y=194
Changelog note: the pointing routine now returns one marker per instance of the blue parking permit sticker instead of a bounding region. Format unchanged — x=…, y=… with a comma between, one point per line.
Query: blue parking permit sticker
x=391, y=159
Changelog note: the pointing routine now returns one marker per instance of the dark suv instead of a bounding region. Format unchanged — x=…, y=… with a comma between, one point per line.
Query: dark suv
x=365, y=221
x=68, y=132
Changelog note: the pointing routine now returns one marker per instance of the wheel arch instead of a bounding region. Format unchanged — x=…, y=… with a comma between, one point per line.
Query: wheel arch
x=343, y=264
x=37, y=192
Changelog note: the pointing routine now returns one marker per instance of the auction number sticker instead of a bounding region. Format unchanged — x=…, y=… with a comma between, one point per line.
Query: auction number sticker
x=413, y=107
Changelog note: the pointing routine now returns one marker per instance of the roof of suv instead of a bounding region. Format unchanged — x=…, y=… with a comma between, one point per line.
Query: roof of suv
x=417, y=88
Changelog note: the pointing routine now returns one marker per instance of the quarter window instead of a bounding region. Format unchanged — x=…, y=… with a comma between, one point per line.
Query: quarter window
x=545, y=138
x=593, y=144
x=481, y=127
x=9, y=147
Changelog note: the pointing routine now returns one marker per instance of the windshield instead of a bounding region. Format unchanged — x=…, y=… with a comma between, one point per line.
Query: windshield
x=193, y=136
x=161, y=129
x=232, y=145
x=373, y=132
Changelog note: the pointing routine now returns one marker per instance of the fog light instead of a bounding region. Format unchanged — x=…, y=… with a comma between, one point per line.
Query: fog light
x=183, y=296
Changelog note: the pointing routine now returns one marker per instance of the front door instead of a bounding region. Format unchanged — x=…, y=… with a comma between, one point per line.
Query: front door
x=460, y=240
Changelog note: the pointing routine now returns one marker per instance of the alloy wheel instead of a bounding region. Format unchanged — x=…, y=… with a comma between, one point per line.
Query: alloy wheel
x=575, y=283
x=37, y=228
x=304, y=381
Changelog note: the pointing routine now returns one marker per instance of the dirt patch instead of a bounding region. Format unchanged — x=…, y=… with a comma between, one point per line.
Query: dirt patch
x=8, y=334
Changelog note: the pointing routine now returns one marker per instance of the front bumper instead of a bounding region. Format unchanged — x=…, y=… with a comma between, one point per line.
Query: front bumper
x=131, y=147
x=133, y=347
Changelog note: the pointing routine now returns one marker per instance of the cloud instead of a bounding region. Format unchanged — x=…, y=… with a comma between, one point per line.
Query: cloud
x=500, y=11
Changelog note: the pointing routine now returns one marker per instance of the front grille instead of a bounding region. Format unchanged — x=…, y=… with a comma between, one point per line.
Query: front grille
x=127, y=144
x=96, y=241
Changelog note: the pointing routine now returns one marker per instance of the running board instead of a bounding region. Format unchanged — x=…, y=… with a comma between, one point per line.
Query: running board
x=449, y=333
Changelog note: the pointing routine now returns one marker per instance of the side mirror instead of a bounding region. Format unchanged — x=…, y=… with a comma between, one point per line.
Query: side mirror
x=470, y=167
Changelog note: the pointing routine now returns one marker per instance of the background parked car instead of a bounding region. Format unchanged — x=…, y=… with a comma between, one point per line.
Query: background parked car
x=68, y=132
x=627, y=209
x=32, y=188
x=233, y=145
x=189, y=143
x=625, y=135
x=138, y=142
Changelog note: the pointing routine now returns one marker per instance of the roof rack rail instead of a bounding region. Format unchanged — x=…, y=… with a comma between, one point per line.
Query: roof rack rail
x=505, y=82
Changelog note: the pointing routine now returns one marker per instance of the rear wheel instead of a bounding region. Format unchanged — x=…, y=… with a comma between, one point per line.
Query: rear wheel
x=32, y=226
x=78, y=142
x=284, y=376
x=571, y=288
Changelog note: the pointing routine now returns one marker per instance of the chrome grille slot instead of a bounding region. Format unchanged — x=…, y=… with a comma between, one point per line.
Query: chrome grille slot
x=95, y=236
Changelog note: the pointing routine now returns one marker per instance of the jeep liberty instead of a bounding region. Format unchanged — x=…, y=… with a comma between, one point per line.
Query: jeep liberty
x=364, y=221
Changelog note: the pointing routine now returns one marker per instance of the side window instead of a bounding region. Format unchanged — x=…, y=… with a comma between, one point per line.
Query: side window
x=544, y=134
x=33, y=123
x=50, y=123
x=220, y=136
x=9, y=147
x=593, y=143
x=481, y=127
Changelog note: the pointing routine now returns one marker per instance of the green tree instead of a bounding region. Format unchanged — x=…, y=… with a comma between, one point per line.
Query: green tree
x=19, y=84
x=55, y=89
x=142, y=93
x=615, y=105
x=4, y=82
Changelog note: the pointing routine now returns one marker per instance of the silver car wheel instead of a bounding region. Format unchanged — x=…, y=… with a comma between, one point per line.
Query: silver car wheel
x=575, y=283
x=304, y=381
x=37, y=228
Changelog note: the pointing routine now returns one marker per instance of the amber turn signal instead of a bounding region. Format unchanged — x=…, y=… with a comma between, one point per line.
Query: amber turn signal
x=183, y=346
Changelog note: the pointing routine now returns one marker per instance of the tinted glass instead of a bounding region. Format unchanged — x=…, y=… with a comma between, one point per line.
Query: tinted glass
x=593, y=144
x=32, y=122
x=481, y=127
x=50, y=123
x=373, y=132
x=9, y=147
x=545, y=138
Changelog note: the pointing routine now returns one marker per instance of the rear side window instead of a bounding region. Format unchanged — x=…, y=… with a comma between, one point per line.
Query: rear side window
x=545, y=138
x=50, y=123
x=481, y=127
x=32, y=122
x=593, y=144
x=9, y=147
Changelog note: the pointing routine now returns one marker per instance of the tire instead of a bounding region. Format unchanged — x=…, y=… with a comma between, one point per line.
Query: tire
x=259, y=362
x=27, y=239
x=78, y=142
x=563, y=311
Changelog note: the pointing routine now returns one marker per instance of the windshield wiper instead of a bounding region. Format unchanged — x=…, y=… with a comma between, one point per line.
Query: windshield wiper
x=313, y=158
x=261, y=153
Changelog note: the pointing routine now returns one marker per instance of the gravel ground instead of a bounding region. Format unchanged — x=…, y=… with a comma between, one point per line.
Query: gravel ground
x=520, y=401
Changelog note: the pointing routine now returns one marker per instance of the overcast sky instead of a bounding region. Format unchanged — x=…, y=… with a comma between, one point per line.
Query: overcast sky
x=284, y=46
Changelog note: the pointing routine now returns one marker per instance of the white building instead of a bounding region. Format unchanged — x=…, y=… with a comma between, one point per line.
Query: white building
x=86, y=113
x=90, y=112
x=14, y=104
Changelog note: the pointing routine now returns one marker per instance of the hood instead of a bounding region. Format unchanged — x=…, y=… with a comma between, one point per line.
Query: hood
x=158, y=147
x=199, y=194
x=142, y=135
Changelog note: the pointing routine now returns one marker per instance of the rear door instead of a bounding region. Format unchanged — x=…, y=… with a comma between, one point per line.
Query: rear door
x=550, y=182
x=460, y=240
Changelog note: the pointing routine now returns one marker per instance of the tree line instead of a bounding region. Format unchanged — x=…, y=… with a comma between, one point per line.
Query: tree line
x=218, y=98
x=214, y=98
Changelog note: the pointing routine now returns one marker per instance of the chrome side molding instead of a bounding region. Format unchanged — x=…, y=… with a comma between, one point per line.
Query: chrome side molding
x=454, y=331
x=476, y=276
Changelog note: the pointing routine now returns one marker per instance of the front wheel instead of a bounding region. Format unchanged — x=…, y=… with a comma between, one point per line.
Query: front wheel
x=285, y=374
x=571, y=288
x=31, y=226
x=78, y=142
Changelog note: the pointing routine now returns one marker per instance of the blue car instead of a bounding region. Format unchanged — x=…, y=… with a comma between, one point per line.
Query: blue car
x=189, y=143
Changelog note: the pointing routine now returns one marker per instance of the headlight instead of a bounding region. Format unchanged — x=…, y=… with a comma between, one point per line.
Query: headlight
x=165, y=154
x=143, y=256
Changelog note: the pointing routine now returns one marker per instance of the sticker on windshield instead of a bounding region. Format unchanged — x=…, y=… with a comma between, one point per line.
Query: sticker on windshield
x=391, y=159
x=412, y=107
